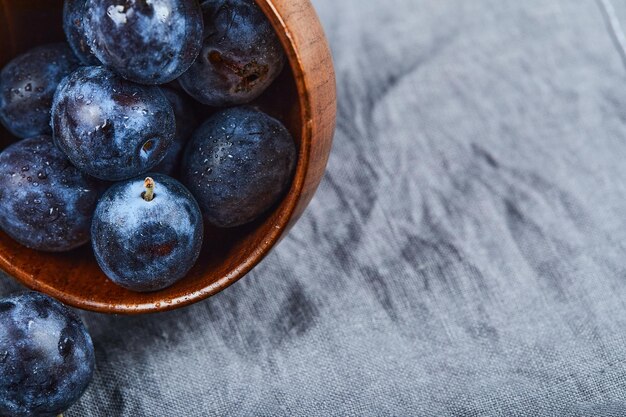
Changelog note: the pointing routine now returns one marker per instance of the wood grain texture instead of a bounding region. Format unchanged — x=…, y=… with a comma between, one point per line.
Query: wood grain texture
x=303, y=97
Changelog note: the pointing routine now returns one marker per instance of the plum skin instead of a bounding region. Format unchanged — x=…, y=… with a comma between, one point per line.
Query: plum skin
x=241, y=55
x=147, y=245
x=47, y=357
x=149, y=42
x=73, y=18
x=111, y=128
x=45, y=202
x=186, y=123
x=27, y=86
x=238, y=164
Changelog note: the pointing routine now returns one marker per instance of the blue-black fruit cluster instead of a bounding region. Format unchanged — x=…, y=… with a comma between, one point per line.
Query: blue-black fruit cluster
x=109, y=122
x=96, y=114
x=46, y=356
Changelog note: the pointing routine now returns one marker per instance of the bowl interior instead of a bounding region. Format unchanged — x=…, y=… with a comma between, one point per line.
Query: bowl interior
x=74, y=277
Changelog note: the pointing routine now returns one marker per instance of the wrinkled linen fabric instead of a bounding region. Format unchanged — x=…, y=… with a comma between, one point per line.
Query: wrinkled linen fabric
x=465, y=254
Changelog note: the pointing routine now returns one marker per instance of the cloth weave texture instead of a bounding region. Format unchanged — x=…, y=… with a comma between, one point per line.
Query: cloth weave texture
x=464, y=255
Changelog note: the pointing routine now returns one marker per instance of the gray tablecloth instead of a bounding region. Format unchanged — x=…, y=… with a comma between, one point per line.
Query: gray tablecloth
x=464, y=256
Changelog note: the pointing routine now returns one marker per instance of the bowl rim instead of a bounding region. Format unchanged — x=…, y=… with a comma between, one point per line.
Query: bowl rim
x=303, y=50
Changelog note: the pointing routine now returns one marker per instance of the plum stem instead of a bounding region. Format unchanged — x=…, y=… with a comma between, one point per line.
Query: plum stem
x=148, y=195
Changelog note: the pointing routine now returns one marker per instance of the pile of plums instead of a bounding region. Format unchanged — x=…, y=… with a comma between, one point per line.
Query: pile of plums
x=109, y=149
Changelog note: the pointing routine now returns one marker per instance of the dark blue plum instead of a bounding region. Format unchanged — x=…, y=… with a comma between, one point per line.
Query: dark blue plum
x=27, y=85
x=46, y=356
x=241, y=54
x=146, y=41
x=73, y=18
x=45, y=202
x=109, y=127
x=147, y=233
x=186, y=123
x=238, y=164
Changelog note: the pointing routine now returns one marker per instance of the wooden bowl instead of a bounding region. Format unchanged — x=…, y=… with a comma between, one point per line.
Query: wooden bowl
x=303, y=98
